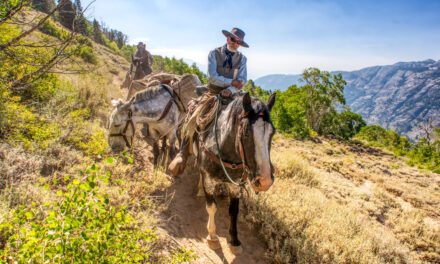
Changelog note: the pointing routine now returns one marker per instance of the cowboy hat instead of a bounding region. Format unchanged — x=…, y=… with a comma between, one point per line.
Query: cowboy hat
x=237, y=34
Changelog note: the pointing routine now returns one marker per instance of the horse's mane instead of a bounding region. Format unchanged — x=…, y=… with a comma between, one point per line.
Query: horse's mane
x=257, y=107
x=149, y=93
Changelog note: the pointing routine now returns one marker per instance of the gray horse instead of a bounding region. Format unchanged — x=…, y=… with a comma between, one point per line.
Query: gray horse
x=244, y=134
x=156, y=108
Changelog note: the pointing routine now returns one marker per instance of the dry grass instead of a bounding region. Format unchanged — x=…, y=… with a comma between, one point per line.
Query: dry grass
x=21, y=170
x=340, y=203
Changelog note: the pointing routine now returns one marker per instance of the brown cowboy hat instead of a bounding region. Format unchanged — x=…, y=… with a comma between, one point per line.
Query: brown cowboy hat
x=238, y=34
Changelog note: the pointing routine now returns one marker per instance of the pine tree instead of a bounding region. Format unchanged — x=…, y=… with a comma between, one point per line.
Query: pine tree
x=80, y=21
x=44, y=6
x=97, y=33
x=67, y=14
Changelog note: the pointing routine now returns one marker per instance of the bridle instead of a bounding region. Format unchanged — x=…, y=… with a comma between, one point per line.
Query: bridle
x=239, y=139
x=129, y=122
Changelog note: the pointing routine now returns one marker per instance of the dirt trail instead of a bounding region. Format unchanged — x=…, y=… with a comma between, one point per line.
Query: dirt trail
x=186, y=220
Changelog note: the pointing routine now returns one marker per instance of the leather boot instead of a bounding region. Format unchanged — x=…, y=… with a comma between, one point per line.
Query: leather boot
x=177, y=166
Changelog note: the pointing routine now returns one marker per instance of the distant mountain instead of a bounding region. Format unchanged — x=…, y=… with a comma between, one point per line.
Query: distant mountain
x=397, y=96
x=277, y=81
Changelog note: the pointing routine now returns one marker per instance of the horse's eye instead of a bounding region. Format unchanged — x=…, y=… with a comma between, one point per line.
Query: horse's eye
x=118, y=125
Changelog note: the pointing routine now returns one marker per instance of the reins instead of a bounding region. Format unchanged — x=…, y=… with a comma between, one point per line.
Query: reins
x=239, y=140
x=242, y=165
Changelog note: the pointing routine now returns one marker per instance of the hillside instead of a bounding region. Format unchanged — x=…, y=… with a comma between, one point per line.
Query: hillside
x=397, y=96
x=64, y=195
x=331, y=202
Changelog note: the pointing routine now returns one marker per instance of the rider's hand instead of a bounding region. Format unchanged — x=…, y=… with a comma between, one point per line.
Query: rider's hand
x=237, y=83
x=225, y=93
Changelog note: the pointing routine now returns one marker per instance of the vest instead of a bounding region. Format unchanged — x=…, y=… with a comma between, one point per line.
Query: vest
x=226, y=72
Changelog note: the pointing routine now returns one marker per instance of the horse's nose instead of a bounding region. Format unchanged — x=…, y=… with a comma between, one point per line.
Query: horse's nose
x=262, y=183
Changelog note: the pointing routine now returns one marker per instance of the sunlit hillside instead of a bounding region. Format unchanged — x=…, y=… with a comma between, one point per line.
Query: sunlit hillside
x=336, y=202
x=66, y=198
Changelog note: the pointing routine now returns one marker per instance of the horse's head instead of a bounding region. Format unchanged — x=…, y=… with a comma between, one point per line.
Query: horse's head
x=137, y=72
x=121, y=126
x=255, y=134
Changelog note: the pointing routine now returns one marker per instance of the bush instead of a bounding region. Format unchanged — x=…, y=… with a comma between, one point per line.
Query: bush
x=127, y=52
x=83, y=226
x=345, y=124
x=88, y=54
x=385, y=138
x=83, y=134
x=422, y=154
x=51, y=29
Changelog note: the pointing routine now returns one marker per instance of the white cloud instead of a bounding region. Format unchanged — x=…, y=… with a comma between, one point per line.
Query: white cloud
x=198, y=56
x=137, y=40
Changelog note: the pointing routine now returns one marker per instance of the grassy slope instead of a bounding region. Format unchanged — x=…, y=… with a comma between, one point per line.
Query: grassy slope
x=331, y=202
x=344, y=203
x=22, y=170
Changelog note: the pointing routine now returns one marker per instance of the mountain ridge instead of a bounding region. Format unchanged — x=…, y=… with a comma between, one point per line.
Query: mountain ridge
x=397, y=96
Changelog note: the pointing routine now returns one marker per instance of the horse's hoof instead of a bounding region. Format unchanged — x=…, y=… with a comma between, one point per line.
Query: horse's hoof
x=213, y=243
x=236, y=250
x=200, y=194
x=177, y=166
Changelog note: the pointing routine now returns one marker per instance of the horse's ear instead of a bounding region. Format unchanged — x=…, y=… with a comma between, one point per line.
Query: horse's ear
x=247, y=103
x=271, y=101
x=117, y=103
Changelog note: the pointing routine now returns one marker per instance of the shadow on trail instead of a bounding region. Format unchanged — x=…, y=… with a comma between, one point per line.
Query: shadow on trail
x=186, y=220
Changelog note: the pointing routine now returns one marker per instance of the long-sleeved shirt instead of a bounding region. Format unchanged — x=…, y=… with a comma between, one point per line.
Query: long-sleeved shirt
x=218, y=80
x=144, y=56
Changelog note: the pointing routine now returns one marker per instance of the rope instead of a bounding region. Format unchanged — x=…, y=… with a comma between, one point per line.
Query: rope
x=241, y=184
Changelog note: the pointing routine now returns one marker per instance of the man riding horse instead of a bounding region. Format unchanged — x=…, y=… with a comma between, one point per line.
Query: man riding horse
x=227, y=74
x=144, y=59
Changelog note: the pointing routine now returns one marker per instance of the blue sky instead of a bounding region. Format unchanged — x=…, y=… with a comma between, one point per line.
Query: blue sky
x=285, y=37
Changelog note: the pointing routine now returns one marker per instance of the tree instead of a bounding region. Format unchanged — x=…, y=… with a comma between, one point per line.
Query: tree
x=288, y=113
x=97, y=33
x=14, y=47
x=80, y=22
x=44, y=6
x=427, y=125
x=345, y=124
x=323, y=94
x=67, y=14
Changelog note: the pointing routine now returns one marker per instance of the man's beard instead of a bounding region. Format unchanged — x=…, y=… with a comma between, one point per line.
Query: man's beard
x=231, y=48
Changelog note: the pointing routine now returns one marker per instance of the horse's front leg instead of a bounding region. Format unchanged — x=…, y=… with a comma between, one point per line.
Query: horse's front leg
x=172, y=137
x=211, y=207
x=234, y=244
x=156, y=153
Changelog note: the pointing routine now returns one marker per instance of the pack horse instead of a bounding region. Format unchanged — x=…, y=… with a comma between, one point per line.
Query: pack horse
x=157, y=108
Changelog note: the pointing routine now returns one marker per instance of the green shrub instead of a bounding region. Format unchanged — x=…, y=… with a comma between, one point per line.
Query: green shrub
x=127, y=52
x=83, y=134
x=88, y=54
x=51, y=29
x=20, y=125
x=83, y=226
x=421, y=154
